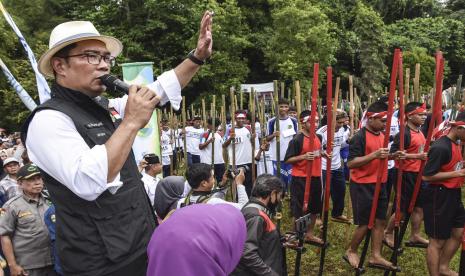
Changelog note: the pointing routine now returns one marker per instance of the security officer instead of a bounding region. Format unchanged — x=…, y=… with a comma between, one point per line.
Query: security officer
x=24, y=236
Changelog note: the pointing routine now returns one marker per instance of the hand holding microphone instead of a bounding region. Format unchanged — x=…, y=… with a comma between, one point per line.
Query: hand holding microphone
x=140, y=104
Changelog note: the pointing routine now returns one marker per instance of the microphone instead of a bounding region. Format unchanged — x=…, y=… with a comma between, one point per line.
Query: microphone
x=114, y=84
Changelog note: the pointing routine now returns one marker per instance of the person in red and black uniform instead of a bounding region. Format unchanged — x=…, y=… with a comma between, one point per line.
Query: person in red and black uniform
x=263, y=252
x=414, y=144
x=366, y=154
x=298, y=154
x=443, y=207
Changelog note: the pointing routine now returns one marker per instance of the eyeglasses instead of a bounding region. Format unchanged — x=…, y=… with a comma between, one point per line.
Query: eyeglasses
x=95, y=58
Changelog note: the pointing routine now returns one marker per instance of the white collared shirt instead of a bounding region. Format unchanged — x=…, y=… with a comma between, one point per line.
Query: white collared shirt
x=56, y=146
x=150, y=185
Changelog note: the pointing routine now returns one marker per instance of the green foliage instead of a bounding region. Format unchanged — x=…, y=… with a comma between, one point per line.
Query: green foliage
x=427, y=65
x=301, y=34
x=394, y=10
x=369, y=29
x=432, y=34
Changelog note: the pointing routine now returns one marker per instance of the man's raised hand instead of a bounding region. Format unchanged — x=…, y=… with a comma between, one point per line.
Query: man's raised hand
x=205, y=41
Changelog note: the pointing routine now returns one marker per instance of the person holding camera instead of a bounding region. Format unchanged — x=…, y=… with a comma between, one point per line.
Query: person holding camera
x=263, y=249
x=151, y=168
x=200, y=178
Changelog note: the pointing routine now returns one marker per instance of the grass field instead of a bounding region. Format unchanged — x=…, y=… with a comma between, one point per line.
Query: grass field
x=412, y=261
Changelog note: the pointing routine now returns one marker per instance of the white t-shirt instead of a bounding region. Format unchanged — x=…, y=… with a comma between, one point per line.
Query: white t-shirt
x=394, y=131
x=261, y=163
x=287, y=130
x=339, y=140
x=179, y=139
x=206, y=153
x=243, y=146
x=166, y=148
x=150, y=185
x=193, y=136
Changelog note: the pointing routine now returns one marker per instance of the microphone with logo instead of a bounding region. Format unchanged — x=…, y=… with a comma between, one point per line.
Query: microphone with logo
x=114, y=84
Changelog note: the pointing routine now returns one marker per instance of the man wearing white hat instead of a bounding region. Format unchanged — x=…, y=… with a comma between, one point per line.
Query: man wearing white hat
x=9, y=186
x=83, y=149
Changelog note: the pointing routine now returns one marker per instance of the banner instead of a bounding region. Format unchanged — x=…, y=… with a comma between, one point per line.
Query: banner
x=23, y=95
x=148, y=138
x=42, y=86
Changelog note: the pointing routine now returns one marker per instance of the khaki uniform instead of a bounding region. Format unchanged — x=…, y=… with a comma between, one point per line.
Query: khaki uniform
x=22, y=218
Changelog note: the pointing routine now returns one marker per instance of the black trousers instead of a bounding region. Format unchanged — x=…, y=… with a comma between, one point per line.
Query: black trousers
x=136, y=268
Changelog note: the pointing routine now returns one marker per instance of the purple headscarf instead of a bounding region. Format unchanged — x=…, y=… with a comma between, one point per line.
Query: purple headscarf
x=201, y=239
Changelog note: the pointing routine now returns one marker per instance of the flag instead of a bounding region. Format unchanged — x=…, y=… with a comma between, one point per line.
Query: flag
x=23, y=95
x=42, y=86
x=148, y=138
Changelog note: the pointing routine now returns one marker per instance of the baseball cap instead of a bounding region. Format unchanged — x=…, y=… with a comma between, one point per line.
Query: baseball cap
x=27, y=171
x=9, y=160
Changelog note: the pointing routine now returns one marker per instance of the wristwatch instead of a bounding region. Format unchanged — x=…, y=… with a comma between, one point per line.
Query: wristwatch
x=194, y=59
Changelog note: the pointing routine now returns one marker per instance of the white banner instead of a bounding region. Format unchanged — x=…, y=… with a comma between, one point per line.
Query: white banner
x=42, y=86
x=23, y=95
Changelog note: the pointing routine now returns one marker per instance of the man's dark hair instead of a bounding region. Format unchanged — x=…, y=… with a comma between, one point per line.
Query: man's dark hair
x=340, y=114
x=65, y=50
x=283, y=101
x=197, y=173
x=377, y=107
x=197, y=117
x=292, y=108
x=304, y=114
x=383, y=99
x=460, y=117
x=265, y=184
x=239, y=111
x=411, y=106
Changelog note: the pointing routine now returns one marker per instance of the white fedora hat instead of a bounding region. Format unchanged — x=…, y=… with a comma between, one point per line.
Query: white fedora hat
x=70, y=32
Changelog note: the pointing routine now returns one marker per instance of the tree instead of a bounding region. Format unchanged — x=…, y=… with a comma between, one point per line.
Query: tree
x=371, y=53
x=394, y=10
x=301, y=34
x=432, y=34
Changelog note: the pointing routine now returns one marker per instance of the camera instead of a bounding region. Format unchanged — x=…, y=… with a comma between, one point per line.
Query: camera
x=302, y=223
x=233, y=173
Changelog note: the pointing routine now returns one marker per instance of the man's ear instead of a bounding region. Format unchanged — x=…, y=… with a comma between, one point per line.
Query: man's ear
x=59, y=65
x=204, y=183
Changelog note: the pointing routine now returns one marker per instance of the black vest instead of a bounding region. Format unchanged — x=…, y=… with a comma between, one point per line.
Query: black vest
x=100, y=236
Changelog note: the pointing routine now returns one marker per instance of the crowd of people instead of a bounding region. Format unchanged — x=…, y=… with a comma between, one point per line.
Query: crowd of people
x=77, y=203
x=25, y=198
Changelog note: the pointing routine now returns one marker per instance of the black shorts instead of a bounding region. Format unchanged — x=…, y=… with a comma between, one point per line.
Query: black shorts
x=362, y=198
x=297, y=196
x=443, y=210
x=408, y=185
x=391, y=181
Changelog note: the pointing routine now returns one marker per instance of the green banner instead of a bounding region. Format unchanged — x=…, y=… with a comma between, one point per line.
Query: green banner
x=148, y=138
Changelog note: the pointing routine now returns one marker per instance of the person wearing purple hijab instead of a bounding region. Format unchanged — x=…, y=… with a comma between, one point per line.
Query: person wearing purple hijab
x=201, y=239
